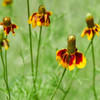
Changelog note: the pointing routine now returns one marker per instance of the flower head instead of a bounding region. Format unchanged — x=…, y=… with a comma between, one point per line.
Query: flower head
x=8, y=26
x=71, y=57
x=7, y=2
x=3, y=42
x=40, y=18
x=91, y=28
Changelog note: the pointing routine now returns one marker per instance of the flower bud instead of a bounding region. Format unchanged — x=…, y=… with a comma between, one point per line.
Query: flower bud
x=41, y=9
x=89, y=20
x=71, y=44
x=6, y=21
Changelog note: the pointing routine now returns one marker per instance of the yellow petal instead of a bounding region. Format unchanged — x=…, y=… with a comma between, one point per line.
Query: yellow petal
x=89, y=36
x=82, y=64
x=83, y=33
x=71, y=67
x=39, y=23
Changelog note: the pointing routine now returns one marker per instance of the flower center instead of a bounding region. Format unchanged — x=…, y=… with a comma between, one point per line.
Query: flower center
x=90, y=21
x=71, y=44
x=6, y=21
x=41, y=9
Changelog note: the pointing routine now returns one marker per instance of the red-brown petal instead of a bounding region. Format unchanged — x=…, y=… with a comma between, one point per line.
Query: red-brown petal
x=65, y=58
x=88, y=31
x=42, y=19
x=33, y=15
x=49, y=13
x=78, y=57
x=7, y=29
x=71, y=60
x=61, y=52
x=14, y=26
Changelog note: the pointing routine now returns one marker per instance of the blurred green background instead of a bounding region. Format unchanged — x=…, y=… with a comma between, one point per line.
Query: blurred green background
x=68, y=18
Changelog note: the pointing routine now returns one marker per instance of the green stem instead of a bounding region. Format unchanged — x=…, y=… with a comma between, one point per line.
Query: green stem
x=37, y=59
x=30, y=36
x=10, y=10
x=6, y=71
x=6, y=63
x=5, y=79
x=31, y=51
x=58, y=84
x=66, y=92
x=68, y=89
x=93, y=56
x=88, y=46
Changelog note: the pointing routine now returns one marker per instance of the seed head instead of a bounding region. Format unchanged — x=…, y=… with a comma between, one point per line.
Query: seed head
x=71, y=44
x=6, y=21
x=41, y=9
x=90, y=20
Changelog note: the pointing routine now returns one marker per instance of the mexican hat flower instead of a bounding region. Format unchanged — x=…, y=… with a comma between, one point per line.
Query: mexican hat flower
x=91, y=28
x=8, y=26
x=7, y=2
x=3, y=42
x=70, y=58
x=40, y=18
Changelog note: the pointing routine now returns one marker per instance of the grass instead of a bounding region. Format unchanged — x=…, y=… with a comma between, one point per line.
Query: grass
x=68, y=18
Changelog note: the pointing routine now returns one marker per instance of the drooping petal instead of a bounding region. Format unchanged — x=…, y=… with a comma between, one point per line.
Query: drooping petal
x=5, y=44
x=33, y=23
x=49, y=13
x=89, y=34
x=96, y=30
x=12, y=28
x=47, y=20
x=62, y=57
x=59, y=53
x=39, y=23
x=7, y=30
x=97, y=26
x=31, y=18
x=40, y=20
x=84, y=32
x=72, y=62
x=65, y=60
x=80, y=60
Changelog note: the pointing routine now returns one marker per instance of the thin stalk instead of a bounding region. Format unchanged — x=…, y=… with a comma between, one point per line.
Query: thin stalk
x=88, y=46
x=93, y=57
x=6, y=71
x=58, y=84
x=30, y=36
x=68, y=89
x=10, y=10
x=66, y=92
x=38, y=53
x=31, y=51
x=5, y=76
x=6, y=64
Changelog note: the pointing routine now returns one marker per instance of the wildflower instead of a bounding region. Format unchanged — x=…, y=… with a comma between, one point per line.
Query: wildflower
x=91, y=28
x=71, y=57
x=7, y=2
x=3, y=41
x=8, y=26
x=40, y=18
